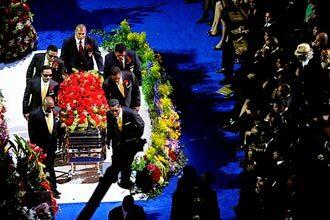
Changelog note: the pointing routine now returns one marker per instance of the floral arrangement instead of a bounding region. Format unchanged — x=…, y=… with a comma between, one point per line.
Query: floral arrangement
x=22, y=172
x=82, y=102
x=17, y=35
x=3, y=124
x=30, y=168
x=163, y=158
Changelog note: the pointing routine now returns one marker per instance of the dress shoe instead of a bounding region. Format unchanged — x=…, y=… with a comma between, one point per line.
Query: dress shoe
x=217, y=48
x=220, y=70
x=126, y=184
x=212, y=35
x=57, y=194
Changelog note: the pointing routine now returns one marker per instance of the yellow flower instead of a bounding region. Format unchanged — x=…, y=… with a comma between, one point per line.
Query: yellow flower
x=158, y=140
x=165, y=89
x=161, y=180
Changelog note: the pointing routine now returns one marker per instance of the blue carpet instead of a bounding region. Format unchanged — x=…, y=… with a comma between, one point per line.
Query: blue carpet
x=190, y=62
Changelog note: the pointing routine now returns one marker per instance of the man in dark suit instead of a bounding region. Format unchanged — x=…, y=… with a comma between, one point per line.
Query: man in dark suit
x=128, y=210
x=44, y=129
x=78, y=51
x=37, y=89
x=122, y=85
x=125, y=60
x=124, y=129
x=49, y=58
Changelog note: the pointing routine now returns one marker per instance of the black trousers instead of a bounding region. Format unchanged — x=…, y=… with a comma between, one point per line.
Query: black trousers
x=121, y=162
x=49, y=163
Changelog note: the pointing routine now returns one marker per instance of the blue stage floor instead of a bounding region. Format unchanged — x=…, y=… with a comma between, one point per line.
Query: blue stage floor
x=190, y=61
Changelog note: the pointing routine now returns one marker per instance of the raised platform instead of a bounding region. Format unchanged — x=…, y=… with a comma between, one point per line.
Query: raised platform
x=82, y=184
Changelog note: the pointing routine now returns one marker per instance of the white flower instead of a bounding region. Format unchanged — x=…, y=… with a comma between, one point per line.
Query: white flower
x=11, y=42
x=26, y=39
x=28, y=23
x=20, y=26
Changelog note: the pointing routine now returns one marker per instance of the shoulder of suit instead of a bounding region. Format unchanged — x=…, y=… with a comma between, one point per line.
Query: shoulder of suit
x=131, y=52
x=110, y=54
x=89, y=39
x=35, y=80
x=128, y=111
x=70, y=40
x=59, y=60
x=40, y=55
x=53, y=82
x=126, y=74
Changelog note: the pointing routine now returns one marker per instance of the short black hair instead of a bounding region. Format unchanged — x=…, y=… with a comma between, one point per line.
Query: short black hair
x=46, y=67
x=114, y=70
x=113, y=102
x=128, y=203
x=52, y=47
x=120, y=48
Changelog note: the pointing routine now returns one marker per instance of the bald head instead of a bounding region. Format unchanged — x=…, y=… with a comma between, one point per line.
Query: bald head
x=48, y=104
x=321, y=39
x=80, y=31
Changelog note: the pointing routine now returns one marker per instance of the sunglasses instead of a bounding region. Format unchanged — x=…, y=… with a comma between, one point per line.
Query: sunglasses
x=52, y=56
x=47, y=75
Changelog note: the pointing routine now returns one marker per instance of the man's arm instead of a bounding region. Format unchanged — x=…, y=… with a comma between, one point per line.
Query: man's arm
x=139, y=122
x=107, y=66
x=65, y=54
x=136, y=96
x=30, y=69
x=26, y=98
x=32, y=128
x=137, y=68
x=97, y=56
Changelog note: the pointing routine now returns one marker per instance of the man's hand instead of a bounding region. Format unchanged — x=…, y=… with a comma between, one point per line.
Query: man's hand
x=137, y=109
x=26, y=116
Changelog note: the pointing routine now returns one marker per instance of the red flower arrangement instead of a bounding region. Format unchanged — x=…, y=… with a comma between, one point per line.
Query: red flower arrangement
x=82, y=102
x=17, y=35
x=154, y=172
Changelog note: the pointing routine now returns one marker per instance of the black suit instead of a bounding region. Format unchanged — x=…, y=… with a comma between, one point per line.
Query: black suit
x=132, y=64
x=123, y=142
x=38, y=62
x=33, y=88
x=137, y=213
x=132, y=91
x=39, y=135
x=124, y=145
x=73, y=59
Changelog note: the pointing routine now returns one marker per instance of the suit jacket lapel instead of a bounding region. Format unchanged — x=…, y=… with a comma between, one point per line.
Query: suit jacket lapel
x=126, y=90
x=74, y=45
x=42, y=60
x=43, y=119
x=38, y=87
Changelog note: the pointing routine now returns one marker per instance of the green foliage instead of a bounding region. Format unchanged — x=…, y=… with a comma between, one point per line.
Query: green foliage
x=164, y=119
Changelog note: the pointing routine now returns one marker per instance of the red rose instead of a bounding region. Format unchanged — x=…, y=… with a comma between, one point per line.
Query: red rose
x=55, y=65
x=42, y=157
x=126, y=83
x=89, y=48
x=172, y=155
x=128, y=60
x=155, y=172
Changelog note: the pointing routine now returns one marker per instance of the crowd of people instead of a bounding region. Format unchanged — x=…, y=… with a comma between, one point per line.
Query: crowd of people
x=282, y=104
x=281, y=112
